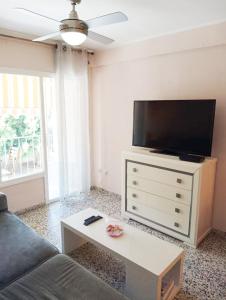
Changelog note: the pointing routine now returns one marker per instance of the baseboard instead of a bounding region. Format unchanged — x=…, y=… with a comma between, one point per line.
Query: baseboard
x=99, y=189
x=219, y=232
x=204, y=235
x=23, y=211
x=96, y=188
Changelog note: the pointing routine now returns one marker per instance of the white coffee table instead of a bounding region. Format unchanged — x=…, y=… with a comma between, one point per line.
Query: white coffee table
x=149, y=261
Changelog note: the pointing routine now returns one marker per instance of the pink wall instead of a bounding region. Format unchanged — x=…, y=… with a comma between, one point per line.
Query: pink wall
x=27, y=56
x=120, y=76
x=26, y=194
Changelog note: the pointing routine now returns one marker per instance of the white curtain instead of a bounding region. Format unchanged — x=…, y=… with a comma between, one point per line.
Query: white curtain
x=72, y=110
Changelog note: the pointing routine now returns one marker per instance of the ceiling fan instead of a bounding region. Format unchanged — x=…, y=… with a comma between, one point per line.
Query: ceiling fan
x=75, y=31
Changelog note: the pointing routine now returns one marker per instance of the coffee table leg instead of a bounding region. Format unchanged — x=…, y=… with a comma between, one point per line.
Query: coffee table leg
x=141, y=284
x=70, y=241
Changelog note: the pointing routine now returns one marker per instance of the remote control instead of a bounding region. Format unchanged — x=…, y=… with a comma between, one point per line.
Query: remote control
x=91, y=220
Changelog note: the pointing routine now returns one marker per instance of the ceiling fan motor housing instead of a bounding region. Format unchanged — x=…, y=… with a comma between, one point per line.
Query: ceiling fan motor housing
x=74, y=2
x=74, y=25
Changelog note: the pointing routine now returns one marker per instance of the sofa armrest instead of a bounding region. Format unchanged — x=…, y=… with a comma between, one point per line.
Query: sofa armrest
x=3, y=202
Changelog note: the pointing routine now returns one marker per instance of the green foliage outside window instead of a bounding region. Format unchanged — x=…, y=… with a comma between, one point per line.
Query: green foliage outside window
x=19, y=132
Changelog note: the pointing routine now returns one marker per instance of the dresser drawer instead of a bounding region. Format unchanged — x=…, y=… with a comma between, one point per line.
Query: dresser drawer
x=173, y=178
x=165, y=205
x=163, y=219
x=159, y=189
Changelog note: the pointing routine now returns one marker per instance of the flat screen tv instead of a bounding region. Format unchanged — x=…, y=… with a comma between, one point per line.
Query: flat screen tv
x=174, y=126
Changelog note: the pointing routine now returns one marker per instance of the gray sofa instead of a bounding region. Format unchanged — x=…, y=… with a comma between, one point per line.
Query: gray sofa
x=32, y=268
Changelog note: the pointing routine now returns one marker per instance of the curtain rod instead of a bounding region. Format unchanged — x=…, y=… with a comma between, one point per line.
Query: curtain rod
x=39, y=43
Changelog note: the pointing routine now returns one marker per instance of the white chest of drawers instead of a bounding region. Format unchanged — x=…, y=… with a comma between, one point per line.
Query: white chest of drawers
x=170, y=195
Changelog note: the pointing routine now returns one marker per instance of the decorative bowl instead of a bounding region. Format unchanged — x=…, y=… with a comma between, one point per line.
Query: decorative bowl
x=114, y=230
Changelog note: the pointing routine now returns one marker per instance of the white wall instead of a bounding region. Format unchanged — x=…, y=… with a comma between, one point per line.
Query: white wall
x=189, y=65
x=31, y=58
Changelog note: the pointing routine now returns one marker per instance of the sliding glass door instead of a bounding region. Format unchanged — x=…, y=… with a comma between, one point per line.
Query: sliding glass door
x=39, y=135
x=28, y=131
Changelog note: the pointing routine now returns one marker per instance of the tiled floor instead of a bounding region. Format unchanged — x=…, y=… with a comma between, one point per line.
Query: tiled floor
x=204, y=269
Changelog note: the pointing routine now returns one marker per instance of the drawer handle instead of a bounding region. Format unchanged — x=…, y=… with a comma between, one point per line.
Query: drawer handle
x=134, y=182
x=179, y=180
x=177, y=210
x=176, y=224
x=134, y=169
x=134, y=207
x=178, y=195
x=134, y=195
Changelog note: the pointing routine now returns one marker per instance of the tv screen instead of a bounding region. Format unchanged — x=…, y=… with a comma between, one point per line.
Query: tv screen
x=180, y=126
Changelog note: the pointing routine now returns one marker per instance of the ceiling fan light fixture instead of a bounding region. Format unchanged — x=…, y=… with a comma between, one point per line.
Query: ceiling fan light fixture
x=73, y=38
x=73, y=31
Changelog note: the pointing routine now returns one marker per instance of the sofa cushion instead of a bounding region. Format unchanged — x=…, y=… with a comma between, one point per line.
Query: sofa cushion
x=60, y=278
x=21, y=249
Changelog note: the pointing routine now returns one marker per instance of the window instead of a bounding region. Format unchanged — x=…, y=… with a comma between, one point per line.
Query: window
x=21, y=150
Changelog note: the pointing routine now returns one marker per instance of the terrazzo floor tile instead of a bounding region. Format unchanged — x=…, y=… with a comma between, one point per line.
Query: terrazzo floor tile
x=204, y=268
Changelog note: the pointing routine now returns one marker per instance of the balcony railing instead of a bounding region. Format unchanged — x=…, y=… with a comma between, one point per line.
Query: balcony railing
x=20, y=156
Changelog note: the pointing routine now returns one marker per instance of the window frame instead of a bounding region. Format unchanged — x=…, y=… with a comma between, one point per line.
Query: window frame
x=43, y=173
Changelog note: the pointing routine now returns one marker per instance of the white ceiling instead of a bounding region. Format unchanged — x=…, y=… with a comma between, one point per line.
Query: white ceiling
x=147, y=18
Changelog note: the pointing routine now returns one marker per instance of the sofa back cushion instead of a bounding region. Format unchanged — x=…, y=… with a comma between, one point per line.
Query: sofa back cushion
x=21, y=249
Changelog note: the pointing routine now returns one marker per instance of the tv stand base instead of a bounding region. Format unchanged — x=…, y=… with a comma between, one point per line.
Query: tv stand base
x=166, y=152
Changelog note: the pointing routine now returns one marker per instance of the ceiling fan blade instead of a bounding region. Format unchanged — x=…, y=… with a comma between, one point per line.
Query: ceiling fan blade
x=113, y=18
x=99, y=38
x=46, y=37
x=27, y=11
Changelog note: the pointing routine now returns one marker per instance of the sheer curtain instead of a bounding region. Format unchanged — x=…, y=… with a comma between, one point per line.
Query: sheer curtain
x=72, y=112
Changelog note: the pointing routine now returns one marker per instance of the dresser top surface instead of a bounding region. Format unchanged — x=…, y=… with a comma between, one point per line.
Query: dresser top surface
x=165, y=161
